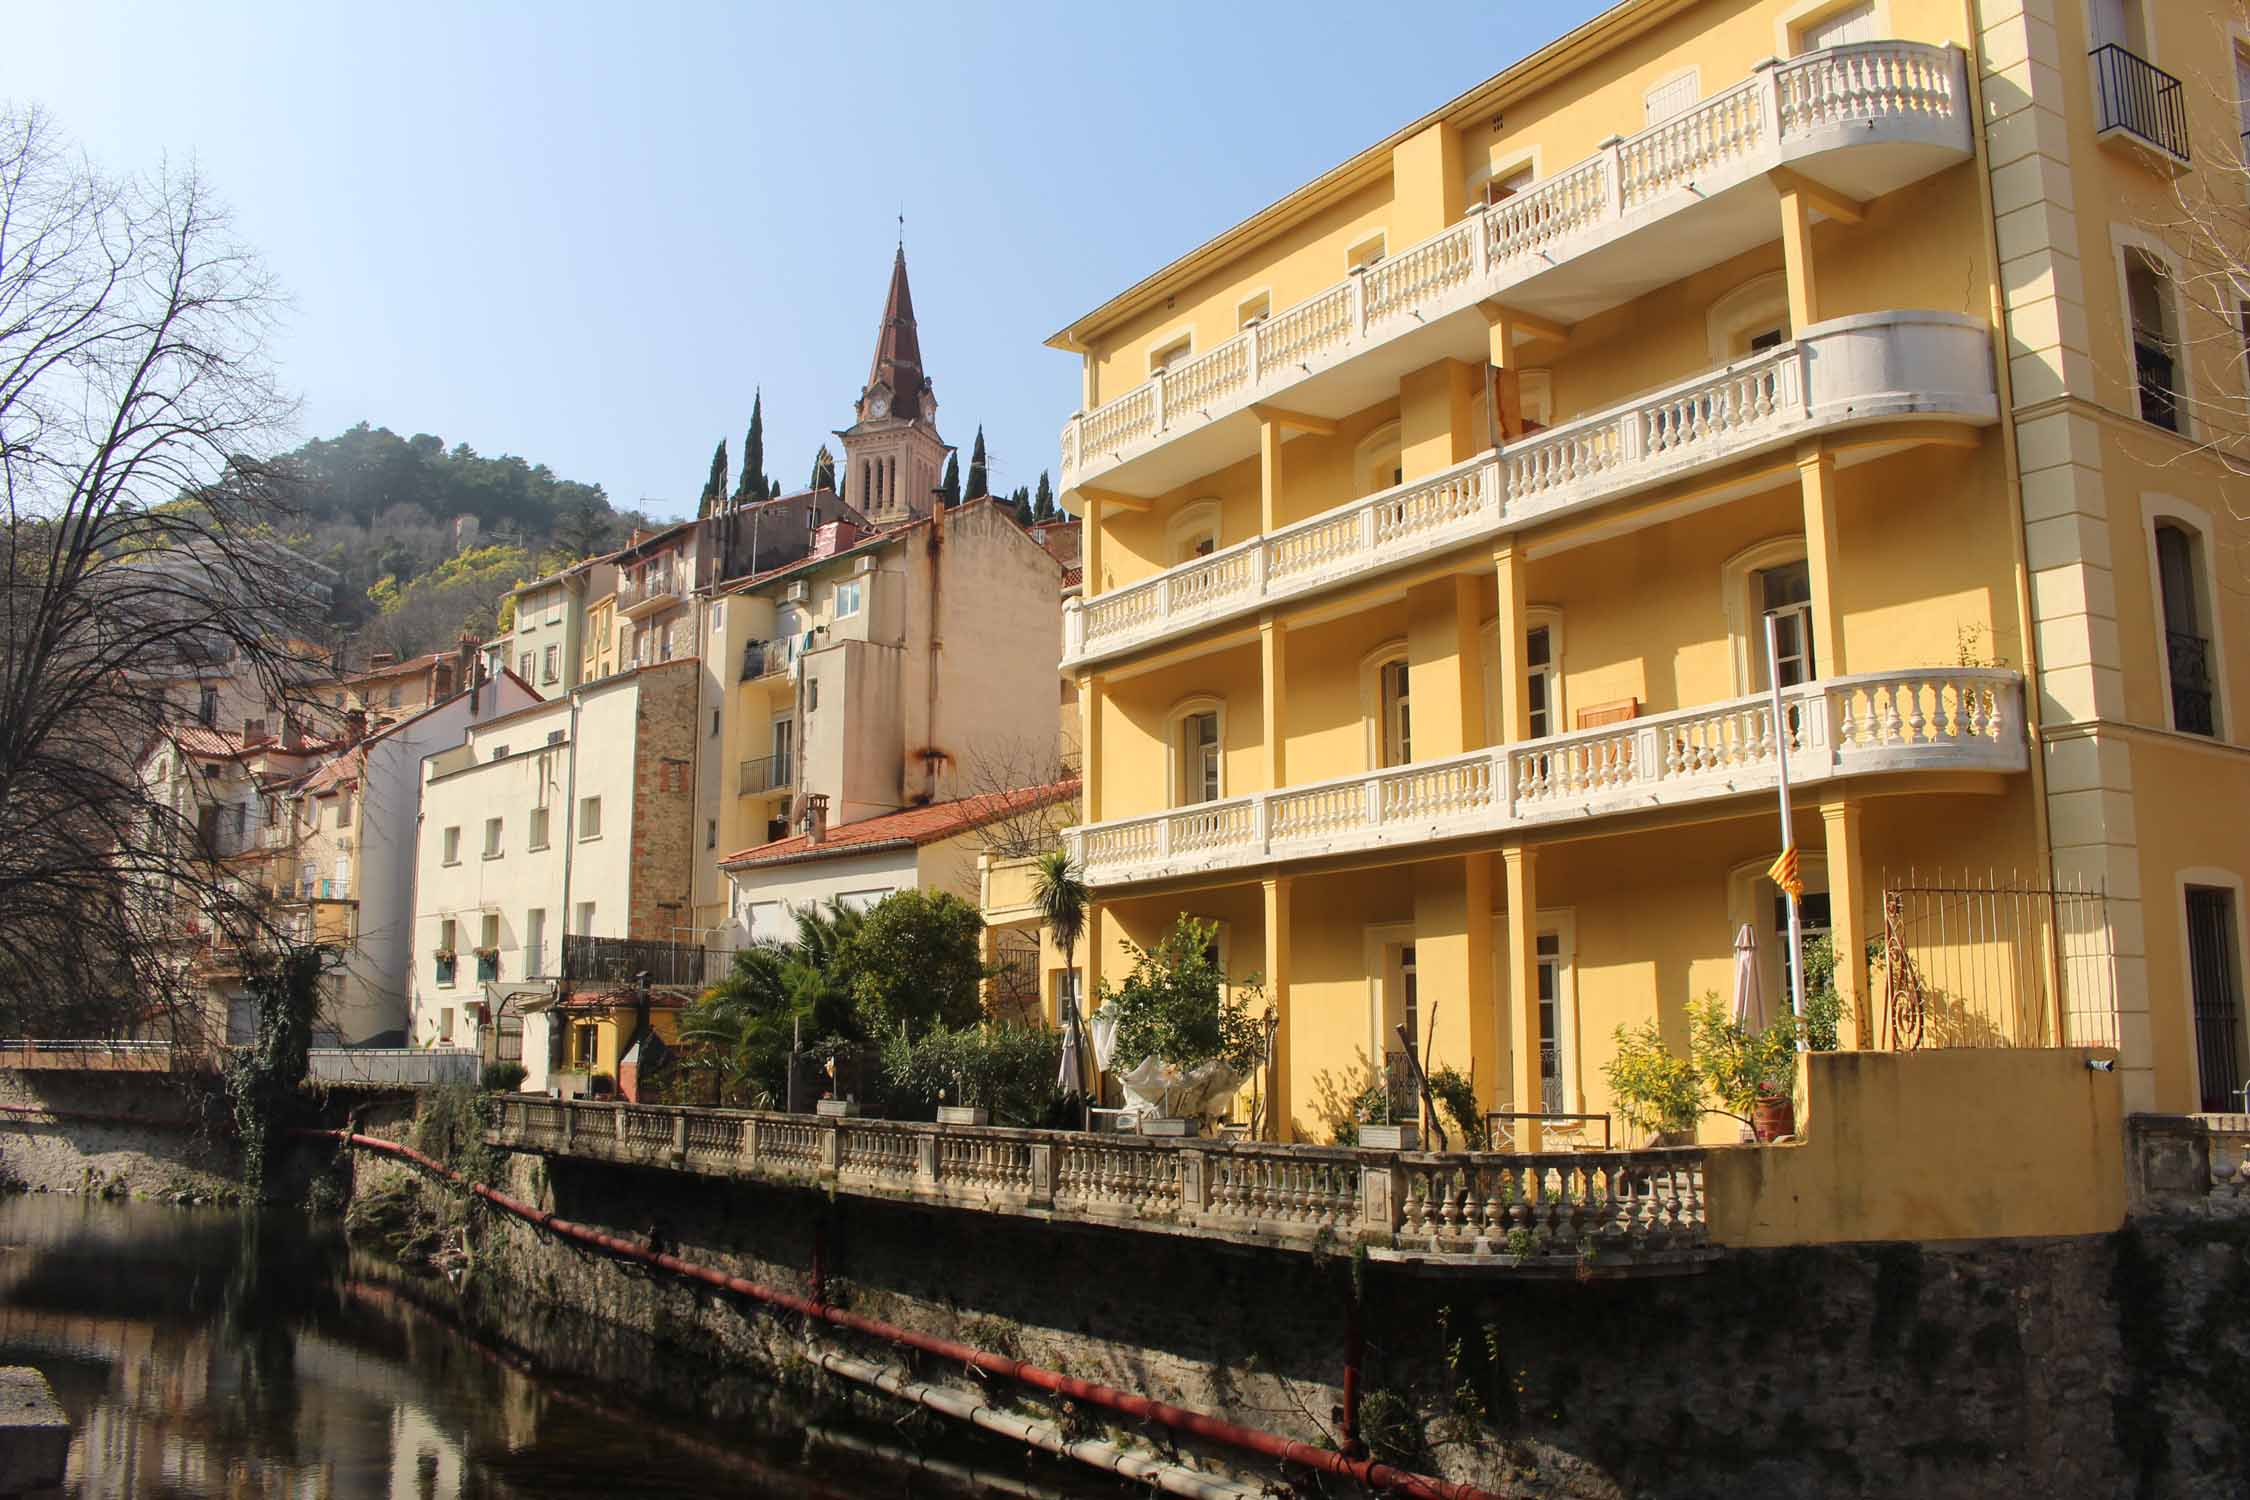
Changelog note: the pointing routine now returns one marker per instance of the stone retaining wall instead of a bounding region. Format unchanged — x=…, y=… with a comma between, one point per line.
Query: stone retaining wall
x=2094, y=1365
x=163, y=1143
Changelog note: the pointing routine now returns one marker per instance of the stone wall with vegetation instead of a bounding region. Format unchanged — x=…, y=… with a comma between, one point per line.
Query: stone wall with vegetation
x=2110, y=1364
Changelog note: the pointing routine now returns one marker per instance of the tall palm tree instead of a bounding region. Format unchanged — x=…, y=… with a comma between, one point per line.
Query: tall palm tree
x=1058, y=890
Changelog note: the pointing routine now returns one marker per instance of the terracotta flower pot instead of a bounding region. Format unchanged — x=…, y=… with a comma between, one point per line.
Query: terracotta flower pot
x=1773, y=1116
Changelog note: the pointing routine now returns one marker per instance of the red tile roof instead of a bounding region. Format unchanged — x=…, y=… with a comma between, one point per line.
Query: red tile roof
x=907, y=828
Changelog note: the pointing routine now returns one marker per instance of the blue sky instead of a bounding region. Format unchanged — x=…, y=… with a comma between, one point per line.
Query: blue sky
x=584, y=234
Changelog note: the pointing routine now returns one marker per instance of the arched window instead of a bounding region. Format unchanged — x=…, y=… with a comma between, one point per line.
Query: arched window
x=1543, y=673
x=1376, y=463
x=1196, y=733
x=2187, y=637
x=1754, y=316
x=1192, y=532
x=2153, y=337
x=1386, y=706
x=1771, y=578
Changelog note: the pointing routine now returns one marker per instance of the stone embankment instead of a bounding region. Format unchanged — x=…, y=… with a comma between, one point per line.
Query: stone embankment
x=126, y=1133
x=2085, y=1365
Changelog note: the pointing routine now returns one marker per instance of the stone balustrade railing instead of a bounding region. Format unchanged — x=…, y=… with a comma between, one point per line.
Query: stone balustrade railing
x=1847, y=372
x=1954, y=719
x=1500, y=1210
x=1863, y=94
x=2189, y=1164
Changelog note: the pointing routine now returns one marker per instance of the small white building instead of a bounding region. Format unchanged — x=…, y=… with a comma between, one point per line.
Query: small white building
x=928, y=848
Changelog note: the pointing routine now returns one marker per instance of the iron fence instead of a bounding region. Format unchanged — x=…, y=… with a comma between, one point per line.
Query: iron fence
x=1986, y=960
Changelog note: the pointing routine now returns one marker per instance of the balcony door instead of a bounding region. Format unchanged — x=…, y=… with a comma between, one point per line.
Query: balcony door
x=1853, y=23
x=2118, y=23
x=1785, y=597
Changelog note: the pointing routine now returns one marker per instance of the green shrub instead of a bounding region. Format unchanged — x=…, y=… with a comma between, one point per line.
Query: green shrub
x=1736, y=1065
x=1457, y=1098
x=917, y=962
x=1349, y=1100
x=504, y=1077
x=1653, y=1090
x=1005, y=1067
x=1177, y=1005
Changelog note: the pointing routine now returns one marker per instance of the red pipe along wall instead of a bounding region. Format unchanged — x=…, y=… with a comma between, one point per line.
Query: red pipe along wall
x=1375, y=1475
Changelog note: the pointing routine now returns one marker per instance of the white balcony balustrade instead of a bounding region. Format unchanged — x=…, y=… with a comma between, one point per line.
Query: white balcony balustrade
x=1939, y=719
x=1863, y=119
x=1841, y=374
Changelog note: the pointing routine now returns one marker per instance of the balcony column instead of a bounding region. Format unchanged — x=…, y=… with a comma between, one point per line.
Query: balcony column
x=1454, y=970
x=1273, y=675
x=1816, y=480
x=1276, y=892
x=1847, y=915
x=1269, y=474
x=1090, y=695
x=1090, y=545
x=1506, y=415
x=1796, y=254
x=1520, y=862
x=1440, y=417
x=988, y=954
x=1510, y=628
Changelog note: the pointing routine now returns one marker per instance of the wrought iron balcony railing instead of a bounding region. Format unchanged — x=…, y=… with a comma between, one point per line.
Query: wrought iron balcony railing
x=2134, y=95
x=2190, y=659
x=2154, y=371
x=621, y=961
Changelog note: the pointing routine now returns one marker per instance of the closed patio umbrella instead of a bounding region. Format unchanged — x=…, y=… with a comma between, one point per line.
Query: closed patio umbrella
x=1071, y=1077
x=1749, y=982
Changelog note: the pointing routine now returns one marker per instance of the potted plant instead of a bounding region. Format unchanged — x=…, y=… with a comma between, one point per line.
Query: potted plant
x=1751, y=1074
x=1657, y=1093
x=1186, y=1037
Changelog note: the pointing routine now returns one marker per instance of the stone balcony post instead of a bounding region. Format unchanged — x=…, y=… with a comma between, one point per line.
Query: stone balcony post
x=926, y=1163
x=831, y=1148
x=1382, y=1188
x=570, y=1124
x=749, y=1147
x=1192, y=1163
x=1043, y=1175
x=679, y=1138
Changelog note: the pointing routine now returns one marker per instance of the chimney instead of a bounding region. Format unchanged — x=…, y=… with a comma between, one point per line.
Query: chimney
x=834, y=537
x=465, y=660
x=382, y=659
x=292, y=733
x=816, y=817
x=355, y=725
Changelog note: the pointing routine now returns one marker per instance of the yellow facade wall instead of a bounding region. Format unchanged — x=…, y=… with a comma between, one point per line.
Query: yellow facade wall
x=1932, y=1146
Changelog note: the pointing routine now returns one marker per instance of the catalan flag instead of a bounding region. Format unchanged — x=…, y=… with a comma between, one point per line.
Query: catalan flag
x=1786, y=873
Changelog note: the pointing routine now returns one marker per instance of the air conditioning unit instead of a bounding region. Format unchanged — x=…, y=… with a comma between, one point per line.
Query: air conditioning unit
x=796, y=593
x=863, y=566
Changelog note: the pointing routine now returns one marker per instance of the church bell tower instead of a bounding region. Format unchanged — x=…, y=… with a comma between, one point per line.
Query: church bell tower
x=893, y=456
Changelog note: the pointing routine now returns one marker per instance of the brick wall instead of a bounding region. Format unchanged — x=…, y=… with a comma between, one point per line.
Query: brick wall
x=664, y=749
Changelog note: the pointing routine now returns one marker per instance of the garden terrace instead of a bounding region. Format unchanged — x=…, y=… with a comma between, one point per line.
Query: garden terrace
x=1607, y=1212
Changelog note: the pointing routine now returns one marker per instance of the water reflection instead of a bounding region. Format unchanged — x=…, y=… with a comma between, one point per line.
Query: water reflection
x=202, y=1353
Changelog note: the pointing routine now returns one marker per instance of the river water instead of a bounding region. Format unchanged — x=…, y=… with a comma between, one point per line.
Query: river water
x=214, y=1353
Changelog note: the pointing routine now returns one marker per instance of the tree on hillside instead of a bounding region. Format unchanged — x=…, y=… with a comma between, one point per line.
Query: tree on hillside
x=585, y=528
x=979, y=486
x=138, y=418
x=715, y=487
x=460, y=596
x=824, y=470
x=949, y=492
x=1043, y=503
x=754, y=485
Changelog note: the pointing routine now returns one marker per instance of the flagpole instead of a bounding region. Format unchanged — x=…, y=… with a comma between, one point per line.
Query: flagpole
x=1788, y=833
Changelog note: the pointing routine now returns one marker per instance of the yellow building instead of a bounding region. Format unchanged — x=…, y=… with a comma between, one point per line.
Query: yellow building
x=1438, y=510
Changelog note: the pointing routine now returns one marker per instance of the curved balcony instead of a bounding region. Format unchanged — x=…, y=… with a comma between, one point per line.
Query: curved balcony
x=1842, y=374
x=1939, y=719
x=1863, y=119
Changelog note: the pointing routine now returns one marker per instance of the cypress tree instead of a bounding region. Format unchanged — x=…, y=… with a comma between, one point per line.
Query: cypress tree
x=1043, y=504
x=1022, y=499
x=715, y=487
x=949, y=493
x=755, y=485
x=824, y=469
x=979, y=486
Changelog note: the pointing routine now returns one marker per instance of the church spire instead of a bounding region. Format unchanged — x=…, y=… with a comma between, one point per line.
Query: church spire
x=898, y=349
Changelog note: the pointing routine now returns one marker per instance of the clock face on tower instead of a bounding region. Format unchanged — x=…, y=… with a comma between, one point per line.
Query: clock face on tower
x=881, y=405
